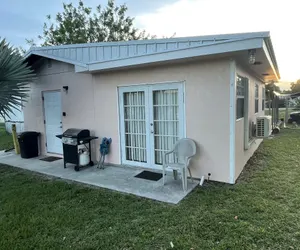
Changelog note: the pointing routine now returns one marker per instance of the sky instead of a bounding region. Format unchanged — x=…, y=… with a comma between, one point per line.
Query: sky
x=20, y=19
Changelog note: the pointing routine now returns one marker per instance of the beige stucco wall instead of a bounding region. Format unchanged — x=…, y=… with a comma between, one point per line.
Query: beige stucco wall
x=77, y=103
x=243, y=155
x=206, y=103
x=92, y=103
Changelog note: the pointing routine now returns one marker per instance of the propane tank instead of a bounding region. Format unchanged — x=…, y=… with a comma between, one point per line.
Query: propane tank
x=84, y=158
x=81, y=148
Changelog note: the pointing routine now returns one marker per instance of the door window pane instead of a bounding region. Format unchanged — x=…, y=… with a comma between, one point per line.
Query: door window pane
x=135, y=126
x=166, y=122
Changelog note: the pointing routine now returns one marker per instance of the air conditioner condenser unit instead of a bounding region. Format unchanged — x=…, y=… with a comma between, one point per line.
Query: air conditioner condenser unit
x=263, y=126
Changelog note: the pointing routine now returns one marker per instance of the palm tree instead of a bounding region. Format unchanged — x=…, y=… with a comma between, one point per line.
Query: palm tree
x=15, y=77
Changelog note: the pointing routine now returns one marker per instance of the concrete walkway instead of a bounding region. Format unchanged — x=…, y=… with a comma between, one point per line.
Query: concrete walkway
x=115, y=178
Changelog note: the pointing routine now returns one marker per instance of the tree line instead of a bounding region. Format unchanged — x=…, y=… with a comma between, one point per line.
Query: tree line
x=294, y=88
x=75, y=24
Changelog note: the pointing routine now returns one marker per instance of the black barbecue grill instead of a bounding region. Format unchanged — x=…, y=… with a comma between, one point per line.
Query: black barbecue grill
x=72, y=138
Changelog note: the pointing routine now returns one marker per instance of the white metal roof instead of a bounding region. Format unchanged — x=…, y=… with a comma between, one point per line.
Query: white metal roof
x=106, y=55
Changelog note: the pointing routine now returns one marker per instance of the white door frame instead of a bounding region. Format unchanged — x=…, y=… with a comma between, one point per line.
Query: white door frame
x=149, y=88
x=44, y=117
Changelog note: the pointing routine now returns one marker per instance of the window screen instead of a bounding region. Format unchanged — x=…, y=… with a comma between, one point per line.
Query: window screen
x=241, y=84
x=263, y=99
x=256, y=97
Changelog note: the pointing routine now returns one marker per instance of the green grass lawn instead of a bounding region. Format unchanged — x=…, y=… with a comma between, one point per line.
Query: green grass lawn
x=262, y=211
x=5, y=138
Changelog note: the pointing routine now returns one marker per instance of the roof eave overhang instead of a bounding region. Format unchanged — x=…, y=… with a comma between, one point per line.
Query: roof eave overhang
x=213, y=49
x=268, y=50
x=82, y=66
x=219, y=48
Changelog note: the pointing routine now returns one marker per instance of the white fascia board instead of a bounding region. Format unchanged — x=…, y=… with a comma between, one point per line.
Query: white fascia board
x=57, y=58
x=211, y=49
x=266, y=51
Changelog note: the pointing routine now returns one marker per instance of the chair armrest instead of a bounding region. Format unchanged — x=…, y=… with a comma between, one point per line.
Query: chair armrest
x=165, y=156
x=187, y=162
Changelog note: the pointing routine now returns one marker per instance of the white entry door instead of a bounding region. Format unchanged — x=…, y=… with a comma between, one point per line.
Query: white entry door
x=53, y=121
x=151, y=121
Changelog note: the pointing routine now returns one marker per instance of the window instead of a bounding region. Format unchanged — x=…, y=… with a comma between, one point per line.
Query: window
x=241, y=84
x=263, y=99
x=256, y=98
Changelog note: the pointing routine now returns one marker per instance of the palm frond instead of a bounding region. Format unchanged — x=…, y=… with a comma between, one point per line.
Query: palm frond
x=15, y=79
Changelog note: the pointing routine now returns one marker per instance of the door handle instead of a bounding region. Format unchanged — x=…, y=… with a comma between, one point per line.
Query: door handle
x=152, y=132
x=60, y=126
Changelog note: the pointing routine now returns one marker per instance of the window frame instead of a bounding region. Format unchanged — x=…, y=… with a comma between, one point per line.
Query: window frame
x=248, y=140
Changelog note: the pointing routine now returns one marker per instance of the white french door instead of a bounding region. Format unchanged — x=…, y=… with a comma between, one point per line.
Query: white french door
x=151, y=121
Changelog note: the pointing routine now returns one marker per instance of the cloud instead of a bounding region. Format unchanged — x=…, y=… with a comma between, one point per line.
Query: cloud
x=139, y=7
x=204, y=17
x=26, y=18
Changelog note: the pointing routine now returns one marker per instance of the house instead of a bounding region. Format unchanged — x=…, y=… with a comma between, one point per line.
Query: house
x=147, y=94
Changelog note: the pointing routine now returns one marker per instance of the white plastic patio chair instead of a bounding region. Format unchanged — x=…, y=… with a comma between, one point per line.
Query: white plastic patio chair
x=183, y=151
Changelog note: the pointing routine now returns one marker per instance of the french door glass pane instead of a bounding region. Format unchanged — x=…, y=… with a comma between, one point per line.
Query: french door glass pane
x=135, y=126
x=166, y=122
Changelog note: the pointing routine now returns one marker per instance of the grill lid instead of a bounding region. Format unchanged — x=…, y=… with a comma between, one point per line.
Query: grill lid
x=76, y=133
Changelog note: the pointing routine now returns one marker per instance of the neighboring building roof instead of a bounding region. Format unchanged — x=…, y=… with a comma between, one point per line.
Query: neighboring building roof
x=108, y=55
x=284, y=96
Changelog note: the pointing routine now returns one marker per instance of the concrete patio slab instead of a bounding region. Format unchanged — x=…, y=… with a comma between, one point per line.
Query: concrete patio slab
x=112, y=177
